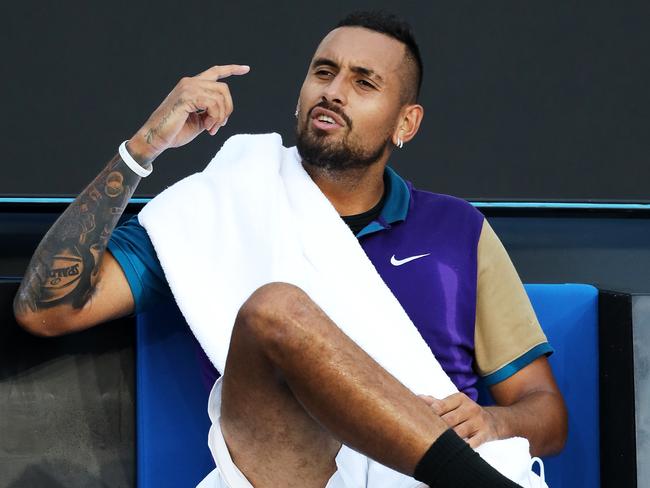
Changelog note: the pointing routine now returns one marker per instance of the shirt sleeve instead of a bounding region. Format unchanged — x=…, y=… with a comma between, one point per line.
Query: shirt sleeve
x=508, y=335
x=131, y=247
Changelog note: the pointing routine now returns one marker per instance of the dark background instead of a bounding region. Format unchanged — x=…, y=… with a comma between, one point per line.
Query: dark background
x=524, y=100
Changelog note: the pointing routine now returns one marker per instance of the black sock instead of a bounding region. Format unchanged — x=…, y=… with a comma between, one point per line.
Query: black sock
x=451, y=463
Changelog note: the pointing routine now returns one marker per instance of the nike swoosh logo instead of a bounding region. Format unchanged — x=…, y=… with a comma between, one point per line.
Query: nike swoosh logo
x=399, y=262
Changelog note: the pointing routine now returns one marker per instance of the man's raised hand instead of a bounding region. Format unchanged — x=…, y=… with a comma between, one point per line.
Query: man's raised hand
x=197, y=103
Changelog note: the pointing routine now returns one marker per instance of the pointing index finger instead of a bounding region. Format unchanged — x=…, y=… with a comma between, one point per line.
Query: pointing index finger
x=219, y=72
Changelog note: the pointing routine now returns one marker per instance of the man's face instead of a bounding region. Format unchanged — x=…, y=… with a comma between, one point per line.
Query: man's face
x=350, y=99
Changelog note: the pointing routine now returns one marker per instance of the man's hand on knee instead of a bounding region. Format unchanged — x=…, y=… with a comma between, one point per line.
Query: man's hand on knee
x=468, y=419
x=527, y=404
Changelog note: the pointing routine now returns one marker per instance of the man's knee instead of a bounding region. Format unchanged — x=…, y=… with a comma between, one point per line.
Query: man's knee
x=273, y=313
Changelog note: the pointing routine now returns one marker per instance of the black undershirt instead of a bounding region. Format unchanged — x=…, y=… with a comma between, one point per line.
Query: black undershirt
x=359, y=221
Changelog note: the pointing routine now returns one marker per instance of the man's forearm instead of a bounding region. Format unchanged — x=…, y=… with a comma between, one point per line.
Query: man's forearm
x=63, y=269
x=539, y=416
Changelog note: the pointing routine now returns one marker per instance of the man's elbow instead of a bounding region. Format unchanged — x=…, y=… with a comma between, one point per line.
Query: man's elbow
x=34, y=325
x=555, y=445
x=563, y=433
x=40, y=323
x=558, y=430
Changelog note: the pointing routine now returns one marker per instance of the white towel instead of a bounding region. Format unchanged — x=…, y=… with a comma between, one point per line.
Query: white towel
x=254, y=216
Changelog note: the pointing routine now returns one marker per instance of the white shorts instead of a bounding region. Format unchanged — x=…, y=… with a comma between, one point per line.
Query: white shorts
x=354, y=470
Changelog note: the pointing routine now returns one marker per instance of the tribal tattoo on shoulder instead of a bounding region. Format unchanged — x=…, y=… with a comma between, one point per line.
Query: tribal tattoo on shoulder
x=64, y=267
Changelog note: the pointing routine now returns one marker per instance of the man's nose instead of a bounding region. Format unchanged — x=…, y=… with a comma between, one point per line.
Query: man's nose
x=335, y=90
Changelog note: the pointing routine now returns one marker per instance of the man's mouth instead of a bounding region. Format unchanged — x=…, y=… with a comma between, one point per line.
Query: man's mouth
x=326, y=120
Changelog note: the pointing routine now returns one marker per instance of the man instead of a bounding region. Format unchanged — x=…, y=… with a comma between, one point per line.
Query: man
x=295, y=386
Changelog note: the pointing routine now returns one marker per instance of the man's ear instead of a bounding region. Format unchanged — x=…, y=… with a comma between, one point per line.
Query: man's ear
x=409, y=122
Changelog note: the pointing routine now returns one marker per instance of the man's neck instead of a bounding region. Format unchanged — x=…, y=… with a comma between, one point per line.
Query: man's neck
x=351, y=192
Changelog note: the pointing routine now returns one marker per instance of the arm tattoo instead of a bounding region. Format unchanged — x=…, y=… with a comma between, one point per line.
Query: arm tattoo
x=64, y=267
x=152, y=133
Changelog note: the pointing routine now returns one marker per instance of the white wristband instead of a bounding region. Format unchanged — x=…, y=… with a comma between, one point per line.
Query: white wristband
x=132, y=163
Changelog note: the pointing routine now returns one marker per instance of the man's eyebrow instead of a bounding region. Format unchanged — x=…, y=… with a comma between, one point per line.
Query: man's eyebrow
x=370, y=73
x=324, y=62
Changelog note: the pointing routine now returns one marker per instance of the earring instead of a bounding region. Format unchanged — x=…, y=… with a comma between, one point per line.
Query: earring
x=296, y=114
x=400, y=143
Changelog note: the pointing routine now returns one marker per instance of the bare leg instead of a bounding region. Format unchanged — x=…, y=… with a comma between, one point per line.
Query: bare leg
x=295, y=387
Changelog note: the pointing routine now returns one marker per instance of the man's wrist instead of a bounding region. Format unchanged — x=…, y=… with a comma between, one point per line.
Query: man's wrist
x=500, y=423
x=142, y=152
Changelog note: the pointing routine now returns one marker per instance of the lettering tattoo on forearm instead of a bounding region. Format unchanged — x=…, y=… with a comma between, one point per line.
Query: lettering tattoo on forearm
x=154, y=132
x=64, y=267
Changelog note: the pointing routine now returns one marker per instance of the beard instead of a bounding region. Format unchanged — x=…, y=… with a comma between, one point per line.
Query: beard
x=316, y=148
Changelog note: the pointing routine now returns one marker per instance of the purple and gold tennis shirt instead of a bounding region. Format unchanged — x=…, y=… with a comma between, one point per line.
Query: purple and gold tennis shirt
x=443, y=263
